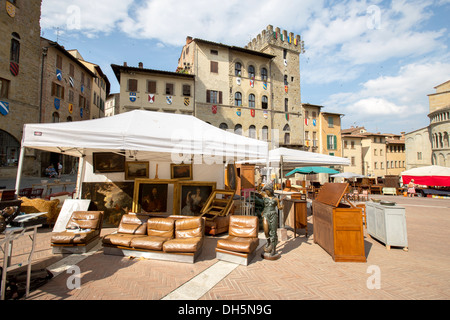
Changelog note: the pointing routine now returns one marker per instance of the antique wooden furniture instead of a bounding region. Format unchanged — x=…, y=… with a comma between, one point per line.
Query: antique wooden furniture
x=389, y=190
x=218, y=204
x=338, y=227
x=242, y=241
x=295, y=214
x=245, y=177
x=387, y=223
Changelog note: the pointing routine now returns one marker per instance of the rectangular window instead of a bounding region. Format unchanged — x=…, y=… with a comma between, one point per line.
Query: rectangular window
x=57, y=91
x=214, y=67
x=213, y=96
x=345, y=144
x=132, y=85
x=59, y=62
x=82, y=78
x=419, y=155
x=151, y=86
x=82, y=102
x=169, y=89
x=186, y=90
x=331, y=142
x=214, y=52
x=4, y=88
x=353, y=161
x=71, y=70
x=330, y=122
x=71, y=96
x=352, y=144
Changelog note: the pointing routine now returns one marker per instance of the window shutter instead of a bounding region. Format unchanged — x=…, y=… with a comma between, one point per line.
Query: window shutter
x=151, y=87
x=334, y=143
x=208, y=96
x=220, y=97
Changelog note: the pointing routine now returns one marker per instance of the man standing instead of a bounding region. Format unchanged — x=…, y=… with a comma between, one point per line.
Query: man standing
x=59, y=169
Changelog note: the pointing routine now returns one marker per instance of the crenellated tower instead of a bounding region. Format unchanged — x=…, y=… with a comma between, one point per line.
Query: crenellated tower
x=285, y=78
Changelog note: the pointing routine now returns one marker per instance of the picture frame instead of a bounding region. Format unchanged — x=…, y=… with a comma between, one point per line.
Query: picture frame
x=181, y=171
x=106, y=162
x=136, y=170
x=154, y=196
x=191, y=196
x=113, y=198
x=231, y=177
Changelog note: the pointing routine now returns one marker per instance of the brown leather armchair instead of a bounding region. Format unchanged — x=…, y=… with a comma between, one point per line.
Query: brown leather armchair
x=83, y=228
x=242, y=241
x=189, y=236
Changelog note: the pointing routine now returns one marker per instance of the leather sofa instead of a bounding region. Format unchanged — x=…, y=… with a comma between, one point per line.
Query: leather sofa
x=242, y=241
x=82, y=231
x=170, y=238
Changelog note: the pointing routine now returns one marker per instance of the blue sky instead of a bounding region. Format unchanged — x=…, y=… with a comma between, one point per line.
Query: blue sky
x=373, y=61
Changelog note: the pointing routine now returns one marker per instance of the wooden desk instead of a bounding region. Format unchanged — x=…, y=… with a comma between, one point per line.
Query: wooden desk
x=295, y=215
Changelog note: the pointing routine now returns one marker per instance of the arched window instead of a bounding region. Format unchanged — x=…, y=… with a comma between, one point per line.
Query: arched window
x=251, y=72
x=69, y=119
x=286, y=80
x=238, y=99
x=287, y=135
x=252, y=132
x=9, y=150
x=264, y=74
x=238, y=129
x=223, y=126
x=237, y=69
x=286, y=104
x=251, y=100
x=264, y=102
x=15, y=47
x=265, y=133
x=55, y=117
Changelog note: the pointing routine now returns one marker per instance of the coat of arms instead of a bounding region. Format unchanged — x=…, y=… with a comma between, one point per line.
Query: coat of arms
x=4, y=108
x=169, y=99
x=238, y=111
x=132, y=96
x=10, y=9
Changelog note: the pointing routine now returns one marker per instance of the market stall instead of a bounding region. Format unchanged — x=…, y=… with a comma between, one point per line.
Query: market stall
x=143, y=146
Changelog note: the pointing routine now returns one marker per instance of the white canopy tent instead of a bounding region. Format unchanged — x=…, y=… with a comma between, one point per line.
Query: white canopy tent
x=143, y=135
x=299, y=158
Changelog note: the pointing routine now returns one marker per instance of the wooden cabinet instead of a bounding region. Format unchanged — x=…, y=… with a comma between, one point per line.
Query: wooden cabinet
x=295, y=214
x=387, y=224
x=338, y=226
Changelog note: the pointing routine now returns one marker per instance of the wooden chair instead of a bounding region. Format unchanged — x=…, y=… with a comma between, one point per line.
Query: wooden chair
x=218, y=204
x=364, y=195
x=25, y=192
x=36, y=193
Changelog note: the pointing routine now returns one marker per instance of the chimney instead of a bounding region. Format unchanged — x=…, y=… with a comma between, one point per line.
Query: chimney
x=125, y=64
x=141, y=65
x=188, y=40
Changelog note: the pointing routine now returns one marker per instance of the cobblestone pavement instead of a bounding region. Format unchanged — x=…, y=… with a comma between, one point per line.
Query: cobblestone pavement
x=304, y=271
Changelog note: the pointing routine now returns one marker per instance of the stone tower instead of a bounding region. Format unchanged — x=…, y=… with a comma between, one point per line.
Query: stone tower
x=285, y=75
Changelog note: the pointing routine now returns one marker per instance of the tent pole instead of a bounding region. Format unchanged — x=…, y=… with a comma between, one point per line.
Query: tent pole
x=281, y=172
x=19, y=169
x=80, y=174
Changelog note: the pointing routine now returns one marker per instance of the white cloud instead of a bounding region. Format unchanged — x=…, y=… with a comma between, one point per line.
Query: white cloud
x=392, y=98
x=87, y=16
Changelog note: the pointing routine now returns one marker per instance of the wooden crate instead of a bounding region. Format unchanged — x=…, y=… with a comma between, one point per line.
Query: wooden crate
x=338, y=226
